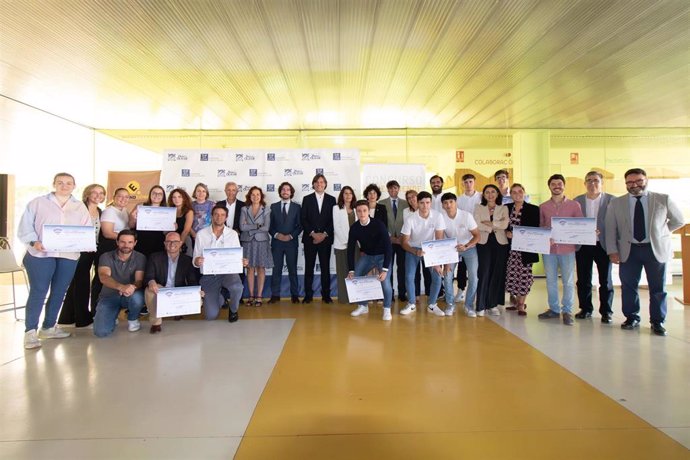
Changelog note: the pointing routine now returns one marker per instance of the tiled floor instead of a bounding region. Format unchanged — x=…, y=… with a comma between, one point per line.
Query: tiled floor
x=311, y=382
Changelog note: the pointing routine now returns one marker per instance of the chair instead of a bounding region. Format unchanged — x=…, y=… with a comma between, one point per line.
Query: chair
x=8, y=264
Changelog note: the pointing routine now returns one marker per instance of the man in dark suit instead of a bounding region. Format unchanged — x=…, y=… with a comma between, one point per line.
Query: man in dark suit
x=317, y=237
x=638, y=234
x=160, y=273
x=594, y=204
x=285, y=228
x=394, y=211
x=233, y=205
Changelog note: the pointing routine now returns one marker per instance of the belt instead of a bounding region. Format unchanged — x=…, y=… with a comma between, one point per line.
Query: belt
x=640, y=244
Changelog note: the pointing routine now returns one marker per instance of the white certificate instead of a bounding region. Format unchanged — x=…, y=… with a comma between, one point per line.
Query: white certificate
x=222, y=261
x=160, y=218
x=178, y=301
x=574, y=230
x=440, y=252
x=531, y=239
x=364, y=288
x=69, y=238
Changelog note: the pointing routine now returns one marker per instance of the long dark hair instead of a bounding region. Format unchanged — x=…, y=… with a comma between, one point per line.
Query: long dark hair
x=341, y=199
x=186, y=201
x=148, y=201
x=499, y=197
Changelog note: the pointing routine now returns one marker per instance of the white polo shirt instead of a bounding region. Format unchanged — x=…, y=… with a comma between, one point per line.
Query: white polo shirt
x=420, y=229
x=459, y=227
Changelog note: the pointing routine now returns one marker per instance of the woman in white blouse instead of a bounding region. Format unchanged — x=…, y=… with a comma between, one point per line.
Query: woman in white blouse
x=343, y=218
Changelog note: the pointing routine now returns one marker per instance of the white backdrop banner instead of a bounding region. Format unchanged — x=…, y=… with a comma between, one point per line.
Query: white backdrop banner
x=409, y=176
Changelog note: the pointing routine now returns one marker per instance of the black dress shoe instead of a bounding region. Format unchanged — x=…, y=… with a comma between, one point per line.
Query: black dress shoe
x=583, y=314
x=306, y=300
x=327, y=300
x=630, y=324
x=606, y=319
x=233, y=316
x=658, y=329
x=155, y=328
x=274, y=299
x=295, y=299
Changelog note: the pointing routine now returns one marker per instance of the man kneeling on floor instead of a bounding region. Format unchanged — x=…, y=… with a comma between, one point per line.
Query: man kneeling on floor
x=122, y=273
x=375, y=244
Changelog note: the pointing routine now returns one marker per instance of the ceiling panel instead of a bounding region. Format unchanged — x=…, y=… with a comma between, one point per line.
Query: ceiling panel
x=315, y=64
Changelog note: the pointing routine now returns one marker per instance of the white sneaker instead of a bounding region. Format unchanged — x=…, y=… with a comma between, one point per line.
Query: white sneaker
x=387, y=314
x=53, y=333
x=31, y=339
x=480, y=313
x=469, y=311
x=460, y=296
x=494, y=311
x=449, y=311
x=409, y=308
x=133, y=326
x=361, y=310
x=433, y=308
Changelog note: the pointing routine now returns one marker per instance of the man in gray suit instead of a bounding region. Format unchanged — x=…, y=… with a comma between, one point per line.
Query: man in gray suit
x=638, y=234
x=394, y=211
x=594, y=204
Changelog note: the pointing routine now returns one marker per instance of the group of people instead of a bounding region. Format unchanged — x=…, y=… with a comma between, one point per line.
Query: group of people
x=368, y=236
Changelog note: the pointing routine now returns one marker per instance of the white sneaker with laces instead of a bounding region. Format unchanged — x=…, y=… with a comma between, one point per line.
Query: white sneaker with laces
x=494, y=311
x=53, y=333
x=469, y=311
x=360, y=310
x=460, y=296
x=449, y=311
x=480, y=313
x=387, y=316
x=409, y=309
x=133, y=326
x=433, y=308
x=31, y=339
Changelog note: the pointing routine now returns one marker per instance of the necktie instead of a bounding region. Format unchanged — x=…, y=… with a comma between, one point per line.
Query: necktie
x=395, y=209
x=285, y=211
x=638, y=221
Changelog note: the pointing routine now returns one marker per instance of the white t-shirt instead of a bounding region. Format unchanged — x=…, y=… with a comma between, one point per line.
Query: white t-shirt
x=467, y=203
x=420, y=229
x=459, y=227
x=119, y=219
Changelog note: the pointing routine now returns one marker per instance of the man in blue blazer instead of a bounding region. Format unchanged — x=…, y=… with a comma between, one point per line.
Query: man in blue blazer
x=285, y=228
x=317, y=236
x=638, y=234
x=594, y=204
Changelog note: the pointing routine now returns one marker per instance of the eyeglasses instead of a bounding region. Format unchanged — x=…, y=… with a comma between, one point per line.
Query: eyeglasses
x=157, y=193
x=173, y=242
x=635, y=182
x=593, y=181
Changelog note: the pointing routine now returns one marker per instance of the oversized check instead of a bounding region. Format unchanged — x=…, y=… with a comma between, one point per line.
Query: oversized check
x=364, y=288
x=574, y=230
x=69, y=238
x=222, y=261
x=156, y=218
x=440, y=252
x=531, y=239
x=178, y=301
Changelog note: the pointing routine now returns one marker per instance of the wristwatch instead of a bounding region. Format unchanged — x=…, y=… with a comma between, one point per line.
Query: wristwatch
x=31, y=243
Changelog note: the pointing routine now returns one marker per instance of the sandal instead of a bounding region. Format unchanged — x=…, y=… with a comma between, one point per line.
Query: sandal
x=250, y=302
x=257, y=303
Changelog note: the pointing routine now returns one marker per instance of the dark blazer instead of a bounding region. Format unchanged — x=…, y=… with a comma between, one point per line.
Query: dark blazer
x=315, y=221
x=287, y=226
x=157, y=270
x=238, y=211
x=382, y=214
x=529, y=217
x=601, y=215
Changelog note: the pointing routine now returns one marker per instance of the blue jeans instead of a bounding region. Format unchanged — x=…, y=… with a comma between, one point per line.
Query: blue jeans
x=46, y=272
x=364, y=266
x=411, y=262
x=566, y=263
x=109, y=307
x=472, y=263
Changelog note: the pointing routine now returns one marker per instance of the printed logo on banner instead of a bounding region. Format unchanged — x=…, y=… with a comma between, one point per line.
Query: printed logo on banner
x=244, y=157
x=186, y=173
x=169, y=188
x=203, y=157
x=319, y=170
x=270, y=157
x=226, y=173
x=270, y=187
x=310, y=156
x=306, y=187
x=292, y=172
x=177, y=157
x=171, y=157
x=337, y=187
x=253, y=172
x=336, y=156
x=243, y=188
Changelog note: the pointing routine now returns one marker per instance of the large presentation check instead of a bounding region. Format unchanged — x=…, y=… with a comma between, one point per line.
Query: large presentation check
x=69, y=238
x=222, y=261
x=156, y=218
x=364, y=288
x=574, y=230
x=178, y=301
x=531, y=239
x=440, y=252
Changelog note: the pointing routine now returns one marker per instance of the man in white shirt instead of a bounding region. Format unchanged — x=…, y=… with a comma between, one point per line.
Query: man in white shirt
x=218, y=235
x=423, y=225
x=436, y=184
x=460, y=225
x=466, y=202
x=233, y=205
